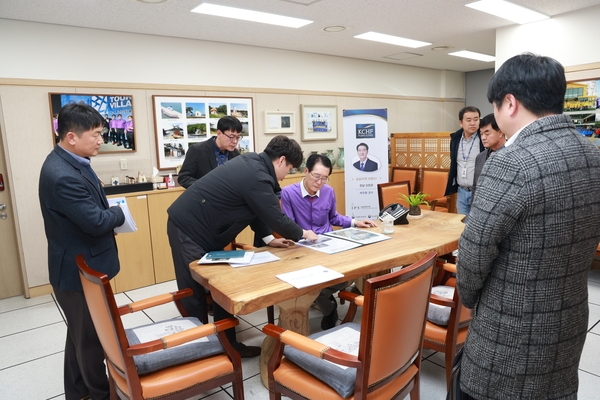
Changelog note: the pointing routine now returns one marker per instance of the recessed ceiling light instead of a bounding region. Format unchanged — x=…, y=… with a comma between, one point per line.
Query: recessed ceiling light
x=152, y=1
x=441, y=48
x=249, y=15
x=334, y=28
x=473, y=56
x=509, y=11
x=396, y=40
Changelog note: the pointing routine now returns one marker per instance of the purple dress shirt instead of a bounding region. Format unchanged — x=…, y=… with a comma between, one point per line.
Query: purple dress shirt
x=317, y=213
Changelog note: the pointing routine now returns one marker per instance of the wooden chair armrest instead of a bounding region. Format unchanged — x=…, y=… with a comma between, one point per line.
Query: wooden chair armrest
x=180, y=338
x=351, y=297
x=311, y=347
x=154, y=301
x=449, y=267
x=442, y=301
x=242, y=246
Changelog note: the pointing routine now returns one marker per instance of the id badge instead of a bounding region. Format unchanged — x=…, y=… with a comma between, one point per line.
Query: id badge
x=463, y=173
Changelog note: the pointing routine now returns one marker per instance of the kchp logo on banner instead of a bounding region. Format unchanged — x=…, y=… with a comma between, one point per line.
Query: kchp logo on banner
x=366, y=160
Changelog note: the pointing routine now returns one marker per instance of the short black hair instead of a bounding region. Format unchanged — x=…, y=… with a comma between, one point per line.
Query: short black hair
x=489, y=120
x=229, y=123
x=318, y=158
x=538, y=82
x=282, y=145
x=467, y=109
x=78, y=118
x=362, y=144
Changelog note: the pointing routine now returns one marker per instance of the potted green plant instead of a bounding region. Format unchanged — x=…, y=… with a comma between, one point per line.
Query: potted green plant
x=414, y=201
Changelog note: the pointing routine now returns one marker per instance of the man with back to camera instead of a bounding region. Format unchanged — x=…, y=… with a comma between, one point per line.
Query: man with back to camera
x=527, y=248
x=492, y=138
x=364, y=163
x=465, y=144
x=217, y=207
x=78, y=220
x=311, y=204
x=202, y=158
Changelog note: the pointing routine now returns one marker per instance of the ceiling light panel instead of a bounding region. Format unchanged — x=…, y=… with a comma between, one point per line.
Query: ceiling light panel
x=395, y=40
x=473, y=56
x=249, y=15
x=509, y=11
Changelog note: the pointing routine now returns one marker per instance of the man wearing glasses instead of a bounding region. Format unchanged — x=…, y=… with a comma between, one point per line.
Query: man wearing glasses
x=311, y=204
x=208, y=155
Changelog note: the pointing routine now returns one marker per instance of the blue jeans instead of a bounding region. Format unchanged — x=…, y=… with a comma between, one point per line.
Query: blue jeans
x=463, y=201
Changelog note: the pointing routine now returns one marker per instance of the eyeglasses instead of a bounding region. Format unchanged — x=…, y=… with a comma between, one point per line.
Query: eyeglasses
x=233, y=138
x=319, y=178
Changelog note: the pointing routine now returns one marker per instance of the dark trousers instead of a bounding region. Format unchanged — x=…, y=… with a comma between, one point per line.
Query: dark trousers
x=184, y=250
x=84, y=370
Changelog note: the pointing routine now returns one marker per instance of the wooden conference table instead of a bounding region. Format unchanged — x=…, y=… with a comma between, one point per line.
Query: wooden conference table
x=248, y=289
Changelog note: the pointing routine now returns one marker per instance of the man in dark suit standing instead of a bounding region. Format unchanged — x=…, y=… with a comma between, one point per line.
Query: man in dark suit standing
x=364, y=163
x=206, y=156
x=78, y=220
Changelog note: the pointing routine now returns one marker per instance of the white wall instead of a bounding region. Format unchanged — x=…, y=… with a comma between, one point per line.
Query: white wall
x=570, y=38
x=40, y=58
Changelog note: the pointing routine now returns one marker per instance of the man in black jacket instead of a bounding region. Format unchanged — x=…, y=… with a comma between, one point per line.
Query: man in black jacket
x=206, y=156
x=215, y=209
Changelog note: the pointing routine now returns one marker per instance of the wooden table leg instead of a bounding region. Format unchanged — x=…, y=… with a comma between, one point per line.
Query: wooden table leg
x=293, y=315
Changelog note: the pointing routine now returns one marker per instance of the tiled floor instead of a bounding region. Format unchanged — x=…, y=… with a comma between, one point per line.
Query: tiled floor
x=32, y=334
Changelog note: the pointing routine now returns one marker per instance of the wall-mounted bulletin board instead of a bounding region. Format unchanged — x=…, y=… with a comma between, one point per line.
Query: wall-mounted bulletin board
x=181, y=122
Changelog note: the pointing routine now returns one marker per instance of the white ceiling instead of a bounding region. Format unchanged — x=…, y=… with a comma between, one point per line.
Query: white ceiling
x=441, y=22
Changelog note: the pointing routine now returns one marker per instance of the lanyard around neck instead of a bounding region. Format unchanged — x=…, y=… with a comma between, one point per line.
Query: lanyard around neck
x=462, y=147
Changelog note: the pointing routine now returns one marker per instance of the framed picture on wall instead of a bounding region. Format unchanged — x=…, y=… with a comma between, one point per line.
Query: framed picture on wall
x=280, y=122
x=181, y=122
x=319, y=123
x=118, y=132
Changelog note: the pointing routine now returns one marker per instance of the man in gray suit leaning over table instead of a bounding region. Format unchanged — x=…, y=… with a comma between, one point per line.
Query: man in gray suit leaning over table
x=78, y=220
x=527, y=247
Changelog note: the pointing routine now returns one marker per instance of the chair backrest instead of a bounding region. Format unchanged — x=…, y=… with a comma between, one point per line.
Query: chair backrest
x=389, y=193
x=393, y=324
x=434, y=183
x=107, y=321
x=406, y=174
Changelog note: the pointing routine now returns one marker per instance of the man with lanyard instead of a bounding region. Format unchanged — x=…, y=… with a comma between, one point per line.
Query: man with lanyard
x=465, y=145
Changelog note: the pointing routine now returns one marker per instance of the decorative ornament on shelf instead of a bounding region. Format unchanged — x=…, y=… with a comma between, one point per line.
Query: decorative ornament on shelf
x=331, y=157
x=340, y=160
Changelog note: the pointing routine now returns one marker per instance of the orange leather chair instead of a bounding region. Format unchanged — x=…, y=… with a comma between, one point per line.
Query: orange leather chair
x=389, y=193
x=448, y=339
x=406, y=174
x=179, y=380
x=388, y=340
x=434, y=184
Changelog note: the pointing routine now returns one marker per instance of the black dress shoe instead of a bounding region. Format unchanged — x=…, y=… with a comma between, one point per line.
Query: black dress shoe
x=330, y=320
x=249, y=351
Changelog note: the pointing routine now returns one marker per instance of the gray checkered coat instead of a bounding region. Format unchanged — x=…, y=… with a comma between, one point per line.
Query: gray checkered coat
x=523, y=264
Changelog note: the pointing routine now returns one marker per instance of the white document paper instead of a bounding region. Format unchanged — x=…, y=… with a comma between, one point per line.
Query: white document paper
x=165, y=328
x=129, y=224
x=241, y=260
x=309, y=276
x=328, y=244
x=344, y=339
x=358, y=235
x=259, y=258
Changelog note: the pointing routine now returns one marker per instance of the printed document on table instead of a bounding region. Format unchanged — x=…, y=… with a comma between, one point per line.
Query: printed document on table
x=240, y=260
x=328, y=244
x=129, y=224
x=344, y=339
x=358, y=235
x=261, y=257
x=309, y=276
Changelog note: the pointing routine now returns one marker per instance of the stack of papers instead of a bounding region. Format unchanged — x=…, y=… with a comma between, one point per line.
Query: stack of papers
x=342, y=240
x=129, y=224
x=309, y=276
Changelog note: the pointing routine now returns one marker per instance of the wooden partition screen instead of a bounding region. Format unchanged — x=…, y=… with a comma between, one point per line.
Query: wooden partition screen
x=429, y=150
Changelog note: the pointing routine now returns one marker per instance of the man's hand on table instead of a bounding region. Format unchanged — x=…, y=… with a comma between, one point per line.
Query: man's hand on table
x=309, y=235
x=281, y=242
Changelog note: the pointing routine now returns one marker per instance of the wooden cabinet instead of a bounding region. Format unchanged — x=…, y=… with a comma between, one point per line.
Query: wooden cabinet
x=145, y=255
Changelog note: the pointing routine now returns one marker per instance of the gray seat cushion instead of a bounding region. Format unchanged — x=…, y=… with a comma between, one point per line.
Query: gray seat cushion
x=437, y=314
x=344, y=338
x=195, y=350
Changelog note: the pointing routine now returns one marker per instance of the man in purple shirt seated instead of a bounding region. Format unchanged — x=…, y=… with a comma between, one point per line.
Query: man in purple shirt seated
x=311, y=204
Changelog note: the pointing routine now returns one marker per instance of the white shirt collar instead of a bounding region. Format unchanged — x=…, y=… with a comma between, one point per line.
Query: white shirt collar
x=514, y=137
x=305, y=192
